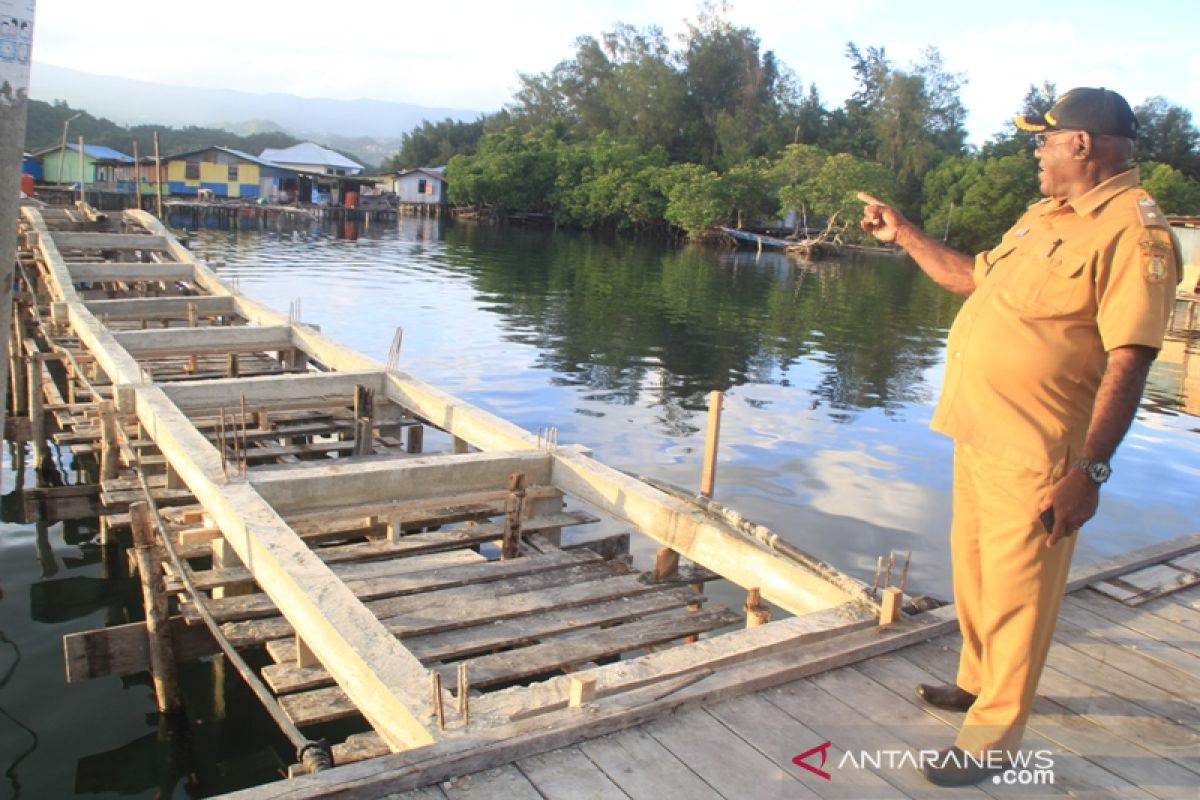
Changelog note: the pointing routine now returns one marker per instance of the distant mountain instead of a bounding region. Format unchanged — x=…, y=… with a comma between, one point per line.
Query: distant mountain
x=368, y=128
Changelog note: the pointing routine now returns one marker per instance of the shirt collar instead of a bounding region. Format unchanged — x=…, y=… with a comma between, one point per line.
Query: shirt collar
x=1090, y=201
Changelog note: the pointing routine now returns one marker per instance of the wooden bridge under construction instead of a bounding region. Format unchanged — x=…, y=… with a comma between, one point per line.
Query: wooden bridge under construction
x=400, y=557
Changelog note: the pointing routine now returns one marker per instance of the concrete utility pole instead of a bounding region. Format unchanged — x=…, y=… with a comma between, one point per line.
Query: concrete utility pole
x=16, y=37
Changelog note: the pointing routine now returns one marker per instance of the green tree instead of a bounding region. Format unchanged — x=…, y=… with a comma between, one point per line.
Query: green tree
x=795, y=173
x=981, y=197
x=510, y=171
x=1167, y=135
x=842, y=177
x=435, y=143
x=694, y=198
x=1175, y=192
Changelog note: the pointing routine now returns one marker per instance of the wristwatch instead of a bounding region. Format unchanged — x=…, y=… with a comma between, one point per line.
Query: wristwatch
x=1097, y=471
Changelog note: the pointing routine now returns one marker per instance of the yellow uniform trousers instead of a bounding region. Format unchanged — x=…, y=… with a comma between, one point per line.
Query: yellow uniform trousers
x=1008, y=588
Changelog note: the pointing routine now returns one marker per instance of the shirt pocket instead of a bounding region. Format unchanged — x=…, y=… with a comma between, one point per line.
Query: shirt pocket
x=1056, y=287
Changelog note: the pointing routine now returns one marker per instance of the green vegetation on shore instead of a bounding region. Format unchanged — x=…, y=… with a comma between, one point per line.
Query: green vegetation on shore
x=633, y=134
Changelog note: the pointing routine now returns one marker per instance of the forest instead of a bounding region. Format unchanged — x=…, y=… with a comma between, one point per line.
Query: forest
x=633, y=133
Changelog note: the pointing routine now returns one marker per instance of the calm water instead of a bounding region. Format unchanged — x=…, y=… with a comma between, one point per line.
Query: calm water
x=831, y=372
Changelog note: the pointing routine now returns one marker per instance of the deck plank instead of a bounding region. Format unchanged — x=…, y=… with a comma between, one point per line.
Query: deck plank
x=644, y=769
x=568, y=774
x=781, y=737
x=482, y=597
x=506, y=782
x=722, y=760
x=489, y=635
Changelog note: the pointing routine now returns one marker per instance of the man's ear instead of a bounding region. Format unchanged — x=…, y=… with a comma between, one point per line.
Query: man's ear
x=1083, y=144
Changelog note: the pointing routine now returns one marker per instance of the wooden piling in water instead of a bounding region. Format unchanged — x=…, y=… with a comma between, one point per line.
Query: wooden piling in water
x=154, y=599
x=712, y=439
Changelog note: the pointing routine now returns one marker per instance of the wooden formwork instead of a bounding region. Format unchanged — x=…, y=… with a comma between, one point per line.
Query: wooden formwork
x=396, y=551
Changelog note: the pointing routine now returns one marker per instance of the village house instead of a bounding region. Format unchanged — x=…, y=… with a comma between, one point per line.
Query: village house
x=422, y=186
x=102, y=166
x=309, y=157
x=225, y=172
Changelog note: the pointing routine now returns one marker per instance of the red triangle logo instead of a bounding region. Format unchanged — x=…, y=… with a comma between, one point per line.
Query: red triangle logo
x=823, y=749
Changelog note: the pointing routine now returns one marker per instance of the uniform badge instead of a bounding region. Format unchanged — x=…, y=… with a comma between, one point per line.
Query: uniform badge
x=1156, y=268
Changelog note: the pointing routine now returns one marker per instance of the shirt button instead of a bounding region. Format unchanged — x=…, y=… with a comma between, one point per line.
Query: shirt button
x=957, y=354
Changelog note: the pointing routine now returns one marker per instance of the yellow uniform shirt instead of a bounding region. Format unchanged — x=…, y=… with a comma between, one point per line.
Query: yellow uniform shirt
x=1069, y=282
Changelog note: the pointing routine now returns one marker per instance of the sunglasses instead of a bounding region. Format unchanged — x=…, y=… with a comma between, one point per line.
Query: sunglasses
x=1042, y=138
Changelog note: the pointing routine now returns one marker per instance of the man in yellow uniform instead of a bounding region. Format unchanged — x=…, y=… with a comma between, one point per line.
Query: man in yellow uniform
x=1045, y=365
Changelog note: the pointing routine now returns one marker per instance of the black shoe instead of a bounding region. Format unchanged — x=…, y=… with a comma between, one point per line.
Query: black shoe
x=953, y=767
x=949, y=697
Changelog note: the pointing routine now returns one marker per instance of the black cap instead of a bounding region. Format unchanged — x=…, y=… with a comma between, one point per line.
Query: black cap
x=1100, y=111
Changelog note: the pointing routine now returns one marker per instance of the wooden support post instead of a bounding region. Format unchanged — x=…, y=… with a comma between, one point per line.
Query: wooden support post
x=513, y=509
x=666, y=564
x=464, y=693
x=712, y=438
x=305, y=657
x=154, y=598
x=173, y=479
x=231, y=368
x=693, y=608
x=110, y=445
x=16, y=373
x=364, y=420
x=461, y=445
x=394, y=529
x=756, y=613
x=193, y=363
x=37, y=416
x=416, y=438
x=224, y=557
x=583, y=690
x=439, y=707
x=889, y=609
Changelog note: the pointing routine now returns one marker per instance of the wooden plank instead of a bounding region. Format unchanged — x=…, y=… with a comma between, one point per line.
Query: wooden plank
x=287, y=392
x=123, y=649
x=681, y=527
x=1083, y=574
x=329, y=704
x=71, y=240
x=130, y=272
x=456, y=643
x=567, y=774
x=408, y=546
x=1140, y=667
x=1121, y=636
x=387, y=579
x=411, y=479
x=152, y=343
x=722, y=760
x=643, y=768
x=1147, y=623
x=506, y=782
x=478, y=596
x=153, y=308
x=781, y=737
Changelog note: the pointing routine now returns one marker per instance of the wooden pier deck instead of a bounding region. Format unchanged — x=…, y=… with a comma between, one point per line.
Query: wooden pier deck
x=1116, y=715
x=397, y=553
x=398, y=557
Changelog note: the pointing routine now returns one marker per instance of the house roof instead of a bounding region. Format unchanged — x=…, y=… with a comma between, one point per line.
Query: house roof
x=309, y=153
x=235, y=153
x=437, y=173
x=92, y=150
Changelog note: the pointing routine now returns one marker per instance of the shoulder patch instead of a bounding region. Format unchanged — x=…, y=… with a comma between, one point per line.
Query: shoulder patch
x=1149, y=212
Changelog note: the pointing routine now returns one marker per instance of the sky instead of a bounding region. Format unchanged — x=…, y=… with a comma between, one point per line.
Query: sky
x=468, y=53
